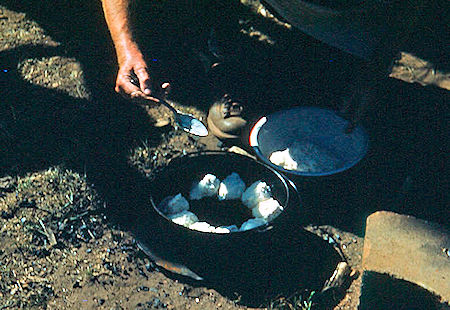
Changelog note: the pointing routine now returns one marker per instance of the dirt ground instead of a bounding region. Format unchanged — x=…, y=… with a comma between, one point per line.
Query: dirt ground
x=76, y=158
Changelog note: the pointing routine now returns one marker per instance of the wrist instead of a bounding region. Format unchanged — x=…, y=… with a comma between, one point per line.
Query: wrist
x=127, y=49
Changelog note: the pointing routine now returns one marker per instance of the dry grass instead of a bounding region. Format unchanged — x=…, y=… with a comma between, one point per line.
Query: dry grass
x=56, y=73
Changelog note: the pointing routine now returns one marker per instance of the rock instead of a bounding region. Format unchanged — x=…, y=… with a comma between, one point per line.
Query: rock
x=407, y=248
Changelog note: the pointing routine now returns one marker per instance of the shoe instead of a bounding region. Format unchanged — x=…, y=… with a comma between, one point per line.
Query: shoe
x=225, y=118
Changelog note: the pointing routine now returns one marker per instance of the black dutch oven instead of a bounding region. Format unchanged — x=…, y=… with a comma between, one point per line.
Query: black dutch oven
x=262, y=258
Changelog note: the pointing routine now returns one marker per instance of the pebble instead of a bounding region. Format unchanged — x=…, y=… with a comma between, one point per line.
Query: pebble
x=6, y=216
x=142, y=273
x=161, y=123
x=14, y=290
x=149, y=267
x=76, y=284
x=142, y=288
x=156, y=302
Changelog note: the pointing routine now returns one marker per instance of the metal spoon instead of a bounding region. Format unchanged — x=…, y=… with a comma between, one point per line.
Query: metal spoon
x=187, y=122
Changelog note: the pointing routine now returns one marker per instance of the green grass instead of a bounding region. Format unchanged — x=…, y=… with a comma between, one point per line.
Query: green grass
x=296, y=302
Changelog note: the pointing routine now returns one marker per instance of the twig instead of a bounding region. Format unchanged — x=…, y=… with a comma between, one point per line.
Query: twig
x=340, y=276
x=91, y=234
x=76, y=217
x=49, y=233
x=20, y=286
x=7, y=305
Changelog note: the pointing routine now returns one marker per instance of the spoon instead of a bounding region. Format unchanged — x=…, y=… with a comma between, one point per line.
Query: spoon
x=187, y=122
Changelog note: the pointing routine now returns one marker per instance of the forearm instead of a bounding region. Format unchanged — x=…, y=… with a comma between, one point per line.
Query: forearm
x=117, y=18
x=130, y=59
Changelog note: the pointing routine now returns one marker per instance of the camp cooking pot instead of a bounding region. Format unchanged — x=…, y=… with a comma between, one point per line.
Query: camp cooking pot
x=212, y=253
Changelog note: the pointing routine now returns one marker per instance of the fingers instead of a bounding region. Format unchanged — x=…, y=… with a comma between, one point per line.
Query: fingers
x=135, y=83
x=127, y=89
x=126, y=85
x=165, y=89
x=131, y=91
x=144, y=80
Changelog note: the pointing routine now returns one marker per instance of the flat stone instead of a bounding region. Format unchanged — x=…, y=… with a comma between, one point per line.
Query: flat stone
x=410, y=249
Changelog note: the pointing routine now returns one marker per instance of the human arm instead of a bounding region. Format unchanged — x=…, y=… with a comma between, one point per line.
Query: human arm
x=129, y=57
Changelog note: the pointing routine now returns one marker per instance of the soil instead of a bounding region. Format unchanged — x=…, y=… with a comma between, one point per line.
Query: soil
x=77, y=159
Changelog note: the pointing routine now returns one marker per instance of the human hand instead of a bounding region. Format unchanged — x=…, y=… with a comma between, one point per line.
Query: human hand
x=134, y=80
x=130, y=65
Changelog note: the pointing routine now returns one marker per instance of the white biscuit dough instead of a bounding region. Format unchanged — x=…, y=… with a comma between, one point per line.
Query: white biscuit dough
x=230, y=228
x=185, y=218
x=231, y=188
x=305, y=157
x=283, y=159
x=173, y=204
x=257, y=192
x=257, y=197
x=207, y=187
x=252, y=223
x=267, y=209
x=202, y=226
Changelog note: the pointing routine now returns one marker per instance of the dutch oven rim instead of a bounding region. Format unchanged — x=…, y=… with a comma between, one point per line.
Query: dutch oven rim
x=288, y=184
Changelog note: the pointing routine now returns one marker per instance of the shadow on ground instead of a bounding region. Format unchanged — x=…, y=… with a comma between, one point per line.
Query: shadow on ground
x=384, y=292
x=46, y=127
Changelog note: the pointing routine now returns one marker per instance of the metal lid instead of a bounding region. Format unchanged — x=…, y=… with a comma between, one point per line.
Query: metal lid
x=313, y=138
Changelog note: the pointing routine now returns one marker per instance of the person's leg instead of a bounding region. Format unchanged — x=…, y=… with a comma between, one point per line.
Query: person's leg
x=370, y=30
x=355, y=28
